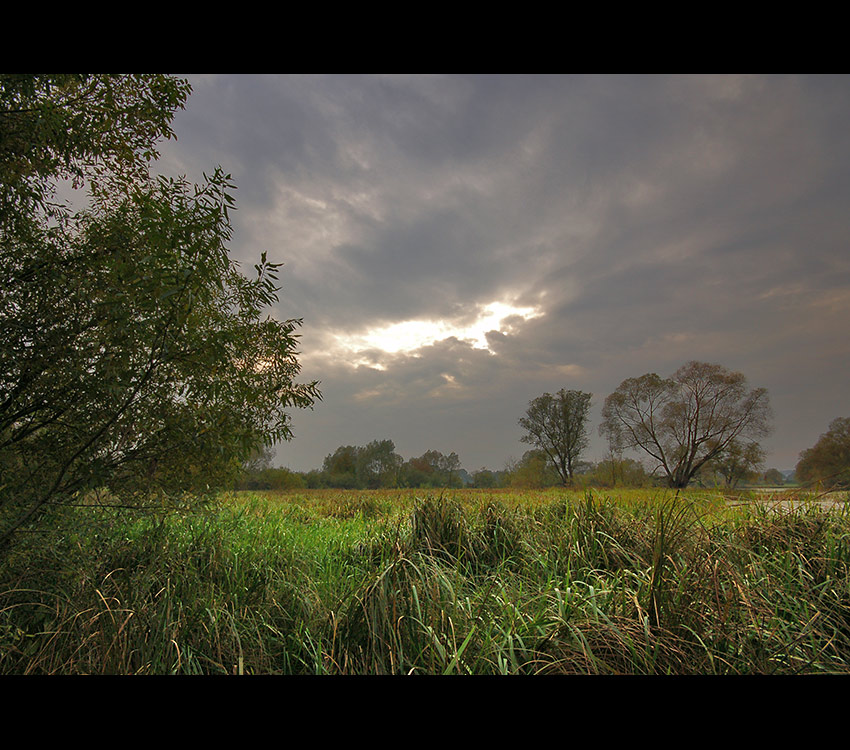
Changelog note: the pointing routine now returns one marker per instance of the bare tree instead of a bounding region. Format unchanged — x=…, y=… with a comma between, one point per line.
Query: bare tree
x=688, y=419
x=557, y=425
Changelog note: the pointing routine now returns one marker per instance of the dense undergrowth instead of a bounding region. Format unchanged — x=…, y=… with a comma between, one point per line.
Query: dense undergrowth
x=338, y=582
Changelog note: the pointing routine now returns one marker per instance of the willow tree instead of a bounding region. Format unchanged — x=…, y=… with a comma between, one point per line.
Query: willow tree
x=135, y=359
x=688, y=419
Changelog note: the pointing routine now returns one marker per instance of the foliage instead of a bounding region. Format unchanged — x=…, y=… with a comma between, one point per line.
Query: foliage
x=269, y=478
x=533, y=470
x=362, y=467
x=431, y=469
x=739, y=462
x=773, y=477
x=828, y=460
x=87, y=129
x=688, y=419
x=618, y=472
x=483, y=478
x=133, y=355
x=557, y=425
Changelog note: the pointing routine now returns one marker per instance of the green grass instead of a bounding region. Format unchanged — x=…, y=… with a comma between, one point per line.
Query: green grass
x=467, y=582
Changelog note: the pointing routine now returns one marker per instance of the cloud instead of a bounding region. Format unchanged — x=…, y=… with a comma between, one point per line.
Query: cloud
x=646, y=220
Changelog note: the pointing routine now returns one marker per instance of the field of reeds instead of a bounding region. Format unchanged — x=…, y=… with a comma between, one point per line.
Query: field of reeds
x=464, y=582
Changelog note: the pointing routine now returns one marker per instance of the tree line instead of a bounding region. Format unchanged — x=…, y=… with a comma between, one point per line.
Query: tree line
x=372, y=466
x=700, y=426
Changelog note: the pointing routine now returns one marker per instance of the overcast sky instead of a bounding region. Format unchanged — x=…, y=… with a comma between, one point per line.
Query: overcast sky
x=458, y=245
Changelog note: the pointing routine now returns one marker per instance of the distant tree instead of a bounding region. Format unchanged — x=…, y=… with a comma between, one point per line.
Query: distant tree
x=739, y=462
x=688, y=419
x=342, y=460
x=774, y=478
x=378, y=464
x=534, y=470
x=431, y=469
x=134, y=356
x=362, y=467
x=828, y=460
x=484, y=479
x=450, y=467
x=339, y=469
x=284, y=479
x=616, y=447
x=314, y=479
x=259, y=459
x=272, y=479
x=414, y=474
x=557, y=425
x=619, y=472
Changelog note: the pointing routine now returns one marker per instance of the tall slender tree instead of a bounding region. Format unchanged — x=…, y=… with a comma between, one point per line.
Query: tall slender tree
x=557, y=425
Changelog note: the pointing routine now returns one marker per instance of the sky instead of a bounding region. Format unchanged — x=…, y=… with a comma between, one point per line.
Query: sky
x=457, y=245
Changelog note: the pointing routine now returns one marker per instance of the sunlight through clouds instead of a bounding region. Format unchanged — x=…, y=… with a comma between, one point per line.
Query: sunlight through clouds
x=410, y=335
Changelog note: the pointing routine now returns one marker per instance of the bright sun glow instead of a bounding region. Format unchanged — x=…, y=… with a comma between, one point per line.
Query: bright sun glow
x=414, y=334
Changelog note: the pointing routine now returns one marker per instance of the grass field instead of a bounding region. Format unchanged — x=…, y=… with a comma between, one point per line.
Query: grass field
x=464, y=582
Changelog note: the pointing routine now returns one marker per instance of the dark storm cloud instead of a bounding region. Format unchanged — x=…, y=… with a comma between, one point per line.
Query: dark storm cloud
x=651, y=219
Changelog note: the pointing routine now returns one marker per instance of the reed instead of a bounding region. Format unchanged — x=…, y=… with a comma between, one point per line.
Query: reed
x=480, y=582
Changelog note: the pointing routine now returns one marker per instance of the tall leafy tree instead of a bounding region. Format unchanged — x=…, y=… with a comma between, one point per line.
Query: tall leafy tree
x=557, y=425
x=135, y=359
x=684, y=421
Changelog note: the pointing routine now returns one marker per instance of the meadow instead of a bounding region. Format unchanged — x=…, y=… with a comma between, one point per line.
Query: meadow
x=463, y=582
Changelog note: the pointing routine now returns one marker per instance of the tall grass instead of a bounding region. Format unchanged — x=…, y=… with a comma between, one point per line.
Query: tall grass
x=460, y=583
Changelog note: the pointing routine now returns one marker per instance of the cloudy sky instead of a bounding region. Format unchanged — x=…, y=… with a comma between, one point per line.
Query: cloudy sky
x=458, y=245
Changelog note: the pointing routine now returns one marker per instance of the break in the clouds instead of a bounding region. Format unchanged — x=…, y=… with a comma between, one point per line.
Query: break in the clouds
x=457, y=245
x=413, y=335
